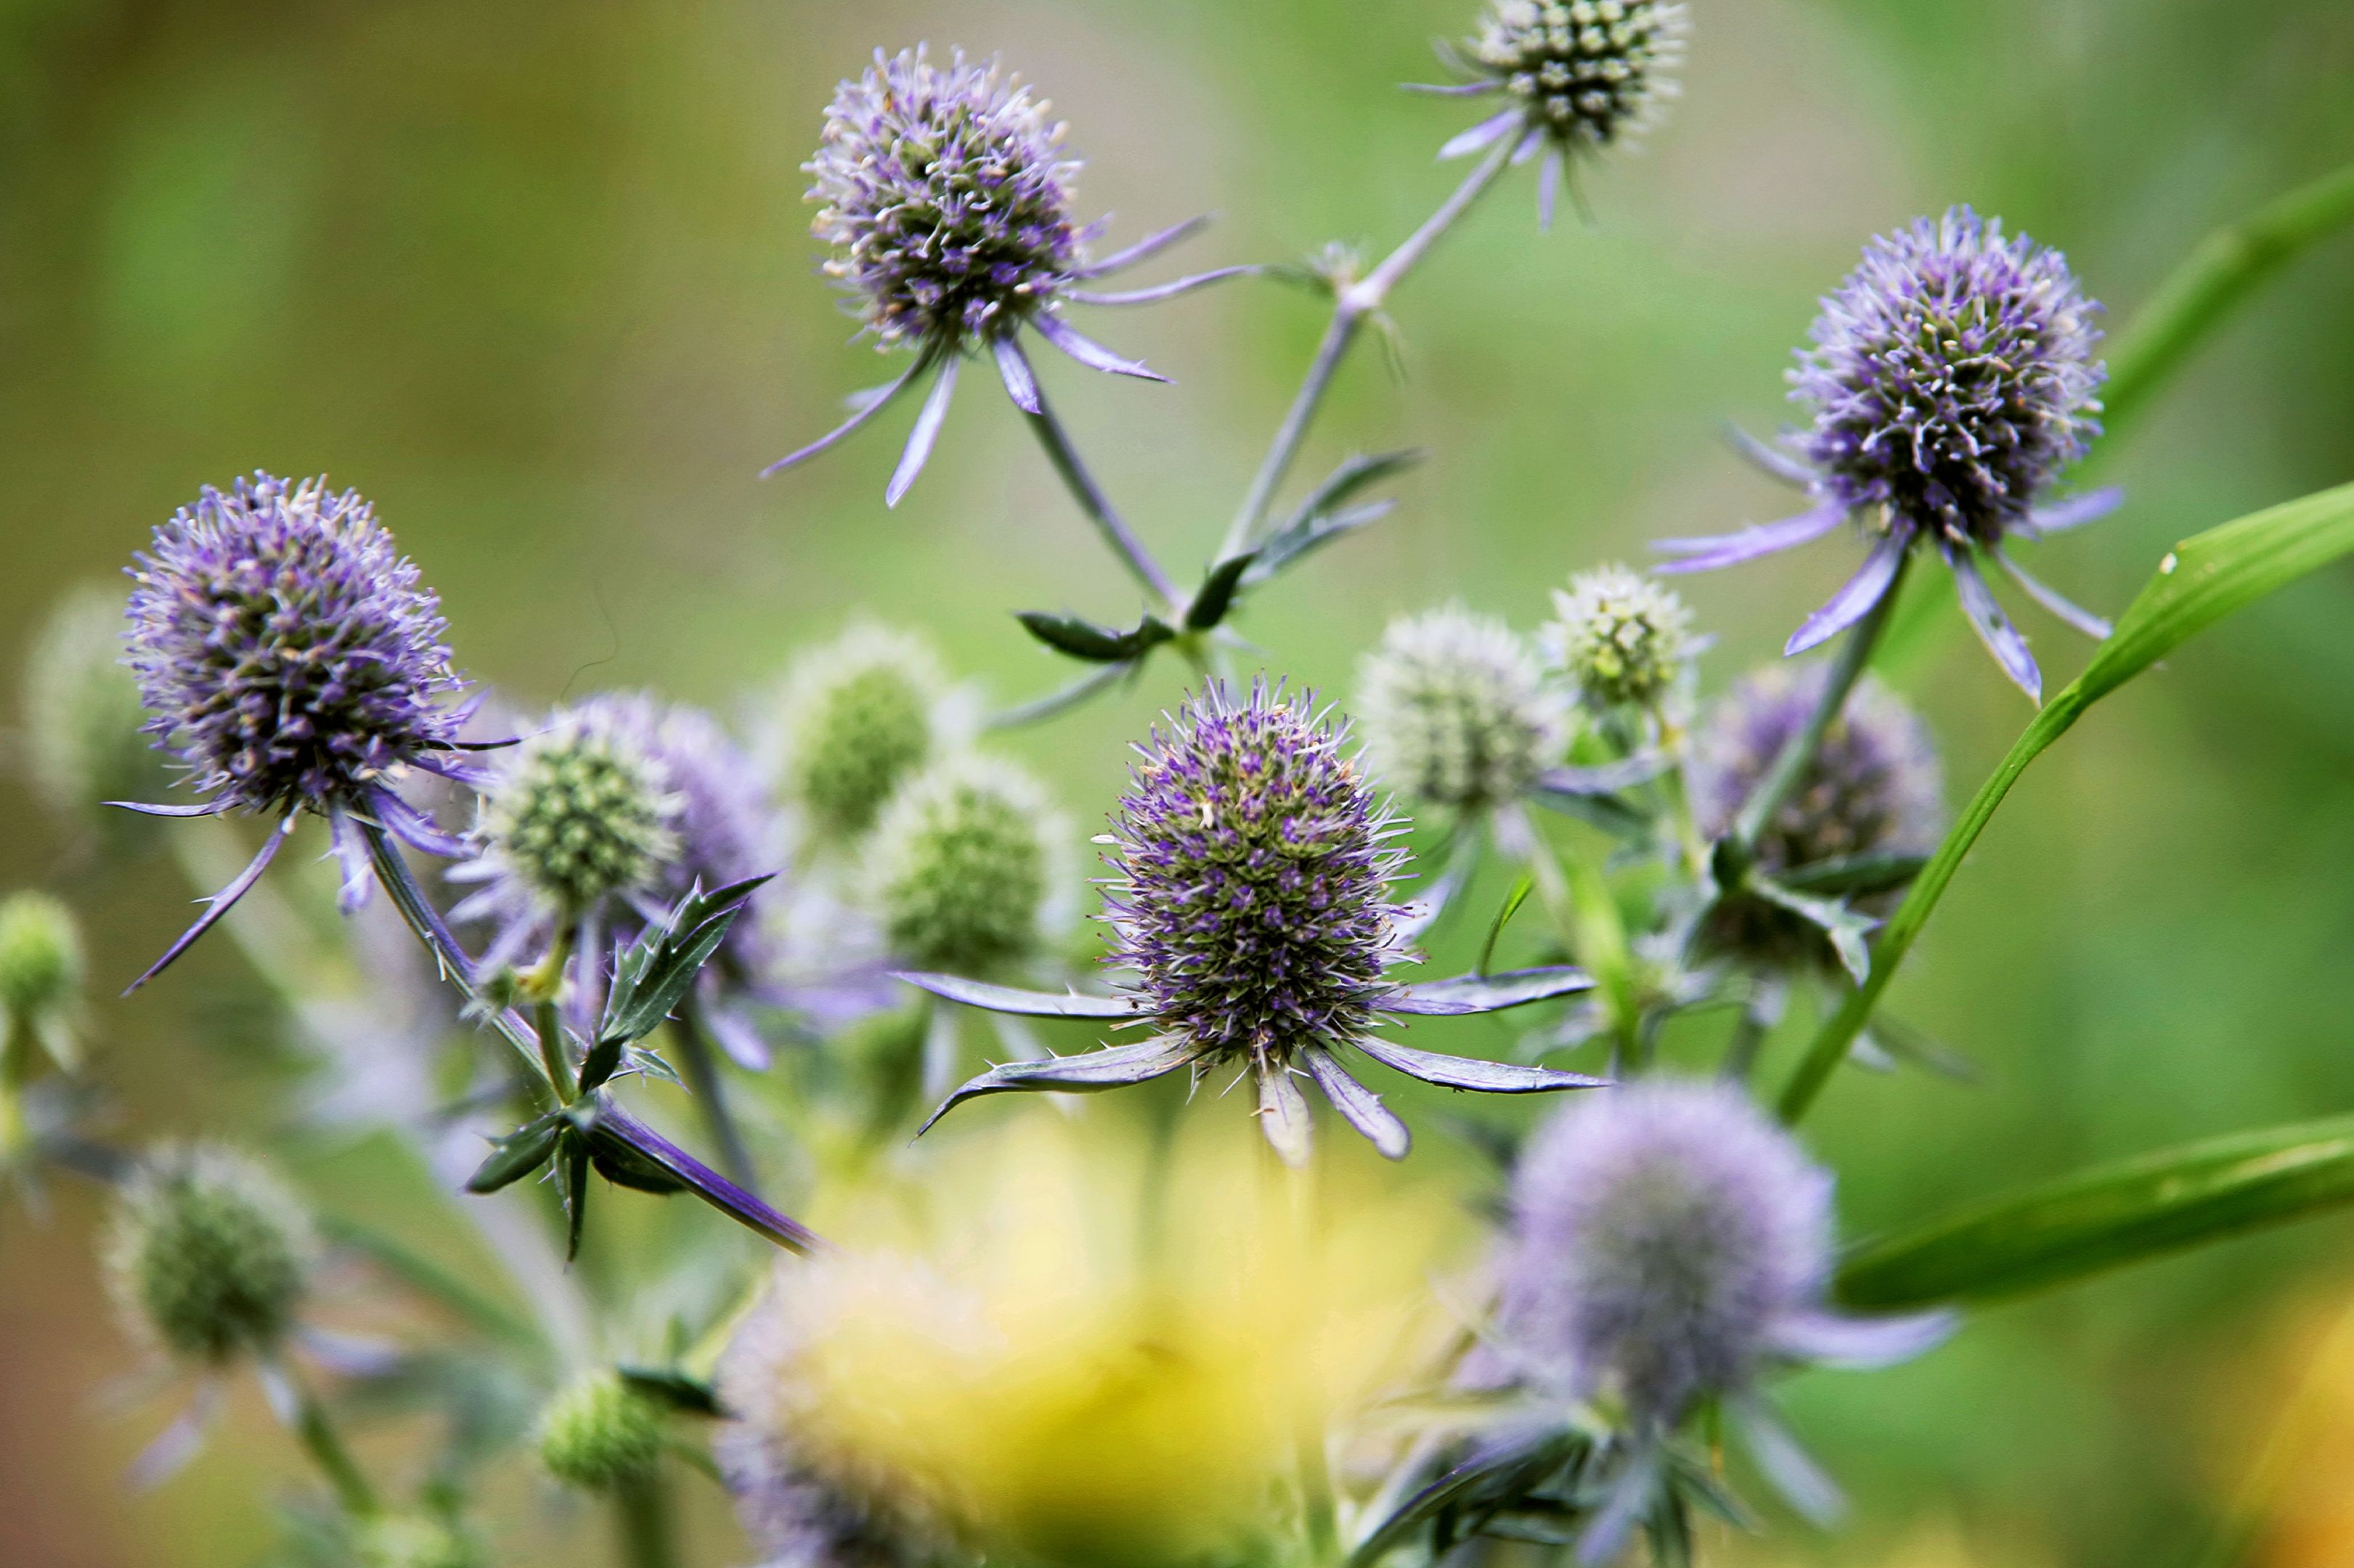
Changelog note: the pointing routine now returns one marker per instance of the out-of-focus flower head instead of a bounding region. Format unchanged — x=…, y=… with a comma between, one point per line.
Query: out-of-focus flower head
x=1456, y=712
x=946, y=193
x=413, y=1541
x=288, y=658
x=964, y=864
x=1953, y=379
x=83, y=714
x=210, y=1255
x=599, y=1435
x=1581, y=76
x=1874, y=788
x=1621, y=638
x=1063, y=1352
x=41, y=968
x=854, y=718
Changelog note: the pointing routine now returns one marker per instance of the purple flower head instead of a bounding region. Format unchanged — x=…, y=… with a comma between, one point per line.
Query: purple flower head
x=1668, y=1244
x=1874, y=788
x=287, y=656
x=1953, y=379
x=1580, y=75
x=947, y=198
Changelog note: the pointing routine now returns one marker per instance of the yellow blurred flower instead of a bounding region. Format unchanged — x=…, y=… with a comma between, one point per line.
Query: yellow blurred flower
x=1085, y=1347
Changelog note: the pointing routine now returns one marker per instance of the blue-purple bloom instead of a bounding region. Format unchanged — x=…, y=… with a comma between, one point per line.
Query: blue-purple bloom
x=1953, y=379
x=946, y=195
x=1252, y=906
x=288, y=658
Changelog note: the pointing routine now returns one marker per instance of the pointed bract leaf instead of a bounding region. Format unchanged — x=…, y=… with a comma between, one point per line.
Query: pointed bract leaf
x=1216, y=595
x=1856, y=875
x=1358, y=1106
x=1850, y=933
x=1084, y=639
x=654, y=975
x=1469, y=1073
x=517, y=1156
x=1283, y=1116
x=687, y=1394
x=1089, y=1072
x=1011, y=998
x=1486, y=993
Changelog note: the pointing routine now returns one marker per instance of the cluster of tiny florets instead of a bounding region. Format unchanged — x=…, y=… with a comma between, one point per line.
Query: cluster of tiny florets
x=1874, y=787
x=600, y=1433
x=1455, y=710
x=947, y=199
x=1588, y=72
x=1620, y=637
x=82, y=716
x=1253, y=899
x=858, y=715
x=211, y=1255
x=580, y=813
x=1952, y=378
x=284, y=648
x=1662, y=1233
x=962, y=865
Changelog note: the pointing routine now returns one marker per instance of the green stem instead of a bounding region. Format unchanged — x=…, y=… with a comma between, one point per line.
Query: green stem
x=1798, y=753
x=2230, y=265
x=699, y=1065
x=1741, y=1052
x=326, y=1448
x=641, y=1511
x=1353, y=304
x=1098, y=505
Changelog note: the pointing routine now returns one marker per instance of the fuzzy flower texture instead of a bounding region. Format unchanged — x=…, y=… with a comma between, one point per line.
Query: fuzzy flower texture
x=1953, y=379
x=946, y=194
x=287, y=657
x=1456, y=711
x=1252, y=905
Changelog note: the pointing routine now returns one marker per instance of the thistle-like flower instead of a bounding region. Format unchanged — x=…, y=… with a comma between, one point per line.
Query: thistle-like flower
x=210, y=1256
x=1621, y=638
x=855, y=718
x=40, y=983
x=1671, y=1246
x=1874, y=792
x=581, y=819
x=1581, y=76
x=599, y=1435
x=81, y=711
x=287, y=656
x=962, y=864
x=1953, y=380
x=1456, y=711
x=1252, y=906
x=946, y=193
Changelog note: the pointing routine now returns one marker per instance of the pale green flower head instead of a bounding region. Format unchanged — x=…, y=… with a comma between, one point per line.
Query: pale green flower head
x=855, y=718
x=211, y=1255
x=600, y=1434
x=1620, y=637
x=1453, y=710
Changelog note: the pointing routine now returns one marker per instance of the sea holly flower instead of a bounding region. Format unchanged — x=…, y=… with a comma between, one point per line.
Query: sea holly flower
x=1869, y=807
x=1456, y=711
x=1251, y=903
x=1579, y=76
x=963, y=866
x=41, y=966
x=946, y=193
x=854, y=718
x=287, y=657
x=1670, y=1246
x=600, y=1433
x=82, y=712
x=1621, y=639
x=1952, y=379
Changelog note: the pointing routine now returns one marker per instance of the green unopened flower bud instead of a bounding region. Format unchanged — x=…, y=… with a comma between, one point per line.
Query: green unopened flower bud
x=407, y=1540
x=83, y=717
x=600, y=1433
x=858, y=715
x=1455, y=712
x=1620, y=637
x=40, y=975
x=580, y=813
x=962, y=862
x=211, y=1254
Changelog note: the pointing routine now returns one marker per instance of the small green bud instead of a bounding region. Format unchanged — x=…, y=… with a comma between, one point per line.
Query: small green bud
x=962, y=865
x=210, y=1254
x=40, y=974
x=408, y=1541
x=580, y=815
x=1620, y=637
x=858, y=715
x=600, y=1433
x=82, y=712
x=1455, y=710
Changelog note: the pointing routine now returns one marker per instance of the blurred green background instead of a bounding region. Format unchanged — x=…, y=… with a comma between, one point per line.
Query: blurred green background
x=535, y=277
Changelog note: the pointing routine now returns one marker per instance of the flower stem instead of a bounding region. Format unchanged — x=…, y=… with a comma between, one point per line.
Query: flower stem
x=699, y=1065
x=1350, y=306
x=1798, y=753
x=642, y=1510
x=321, y=1441
x=1098, y=505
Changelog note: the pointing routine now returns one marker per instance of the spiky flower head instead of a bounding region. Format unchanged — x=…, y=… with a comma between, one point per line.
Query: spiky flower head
x=580, y=812
x=40, y=977
x=82, y=716
x=1953, y=379
x=947, y=198
x=1874, y=788
x=210, y=1255
x=1664, y=1236
x=283, y=649
x=600, y=1434
x=1455, y=710
x=1620, y=637
x=1588, y=73
x=962, y=863
x=1254, y=878
x=858, y=716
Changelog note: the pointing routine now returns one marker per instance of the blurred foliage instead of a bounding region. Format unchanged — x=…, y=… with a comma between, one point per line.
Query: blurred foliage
x=535, y=277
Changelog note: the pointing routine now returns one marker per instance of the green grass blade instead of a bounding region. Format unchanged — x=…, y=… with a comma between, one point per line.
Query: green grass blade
x=2201, y=581
x=2108, y=1217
